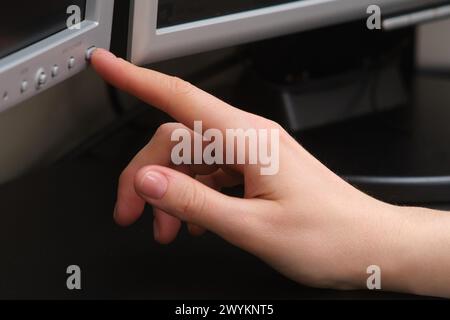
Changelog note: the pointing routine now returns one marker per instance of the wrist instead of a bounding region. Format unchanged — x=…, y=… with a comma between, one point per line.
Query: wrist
x=385, y=244
x=376, y=239
x=397, y=250
x=411, y=251
x=422, y=260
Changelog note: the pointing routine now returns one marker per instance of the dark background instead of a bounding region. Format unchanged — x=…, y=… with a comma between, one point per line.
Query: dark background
x=173, y=12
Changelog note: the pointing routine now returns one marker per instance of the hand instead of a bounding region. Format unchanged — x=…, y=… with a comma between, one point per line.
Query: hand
x=305, y=221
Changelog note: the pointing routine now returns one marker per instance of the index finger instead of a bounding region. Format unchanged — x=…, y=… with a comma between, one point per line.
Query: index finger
x=178, y=98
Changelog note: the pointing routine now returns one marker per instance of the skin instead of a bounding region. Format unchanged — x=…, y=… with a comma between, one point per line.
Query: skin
x=305, y=221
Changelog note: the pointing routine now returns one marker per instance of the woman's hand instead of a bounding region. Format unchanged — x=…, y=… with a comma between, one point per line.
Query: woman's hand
x=304, y=221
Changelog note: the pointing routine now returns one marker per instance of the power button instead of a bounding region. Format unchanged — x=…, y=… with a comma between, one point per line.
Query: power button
x=89, y=53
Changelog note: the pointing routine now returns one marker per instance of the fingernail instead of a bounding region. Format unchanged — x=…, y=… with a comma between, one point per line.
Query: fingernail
x=154, y=185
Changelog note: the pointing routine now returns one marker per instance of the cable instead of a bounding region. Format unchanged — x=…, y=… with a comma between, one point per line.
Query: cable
x=97, y=138
x=116, y=105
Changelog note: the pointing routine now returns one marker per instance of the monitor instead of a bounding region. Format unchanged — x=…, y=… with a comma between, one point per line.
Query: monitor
x=45, y=42
x=163, y=29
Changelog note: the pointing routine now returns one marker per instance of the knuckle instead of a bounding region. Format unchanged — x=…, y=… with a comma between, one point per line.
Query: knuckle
x=265, y=123
x=275, y=125
x=179, y=86
x=165, y=130
x=193, y=203
x=271, y=124
x=282, y=133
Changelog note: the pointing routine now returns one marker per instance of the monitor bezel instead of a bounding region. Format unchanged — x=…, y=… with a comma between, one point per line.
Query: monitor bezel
x=149, y=44
x=95, y=29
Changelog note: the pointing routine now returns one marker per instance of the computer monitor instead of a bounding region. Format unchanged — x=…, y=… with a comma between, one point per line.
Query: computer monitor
x=40, y=45
x=163, y=29
x=45, y=42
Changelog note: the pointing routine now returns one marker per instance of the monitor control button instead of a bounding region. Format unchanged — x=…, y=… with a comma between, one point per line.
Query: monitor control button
x=41, y=78
x=71, y=63
x=89, y=53
x=24, y=86
x=55, y=71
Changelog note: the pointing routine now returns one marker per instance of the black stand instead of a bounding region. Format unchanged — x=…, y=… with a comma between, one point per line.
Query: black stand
x=402, y=155
x=352, y=98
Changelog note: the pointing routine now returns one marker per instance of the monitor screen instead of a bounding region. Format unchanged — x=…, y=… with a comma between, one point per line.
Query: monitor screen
x=166, y=29
x=174, y=12
x=31, y=21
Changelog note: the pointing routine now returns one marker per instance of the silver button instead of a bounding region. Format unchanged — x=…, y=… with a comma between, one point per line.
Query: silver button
x=24, y=86
x=41, y=78
x=89, y=53
x=71, y=63
x=55, y=71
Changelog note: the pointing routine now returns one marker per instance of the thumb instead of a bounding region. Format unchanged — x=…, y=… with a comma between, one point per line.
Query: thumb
x=191, y=201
